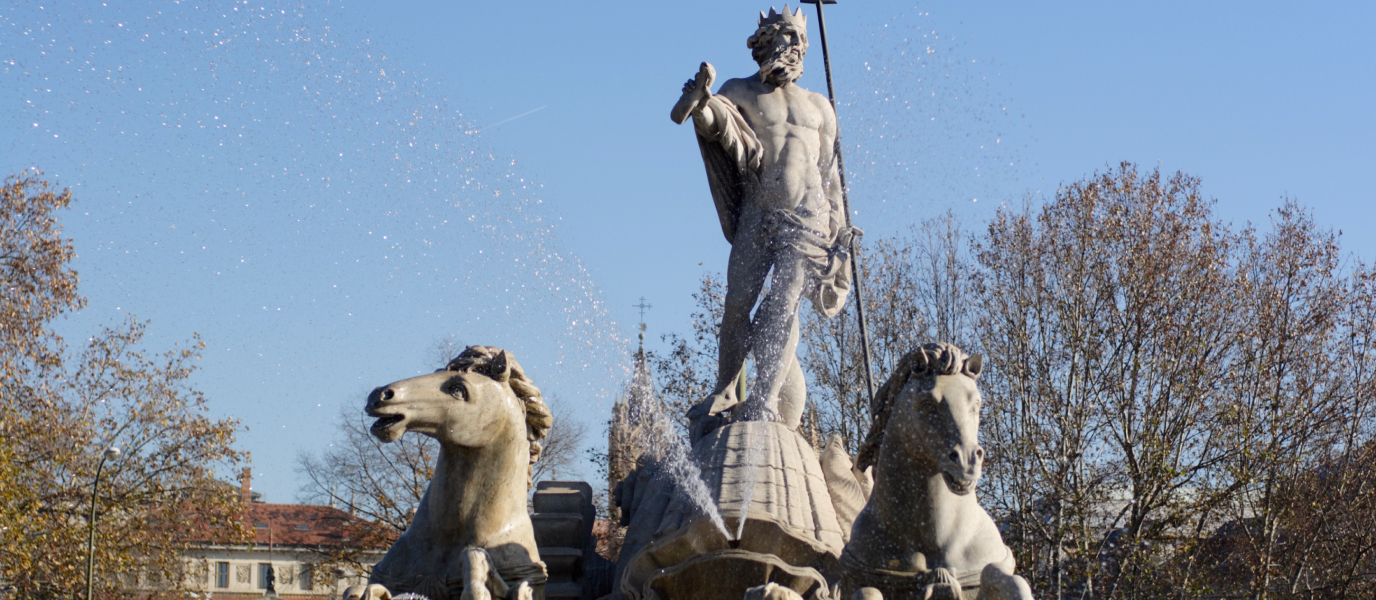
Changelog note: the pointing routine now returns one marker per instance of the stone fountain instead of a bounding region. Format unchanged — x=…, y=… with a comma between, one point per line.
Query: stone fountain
x=769, y=150
x=745, y=507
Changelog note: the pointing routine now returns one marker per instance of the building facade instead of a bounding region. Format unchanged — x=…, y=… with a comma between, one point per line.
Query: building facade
x=290, y=543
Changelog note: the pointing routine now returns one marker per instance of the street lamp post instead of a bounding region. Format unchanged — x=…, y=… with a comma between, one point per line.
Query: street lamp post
x=110, y=453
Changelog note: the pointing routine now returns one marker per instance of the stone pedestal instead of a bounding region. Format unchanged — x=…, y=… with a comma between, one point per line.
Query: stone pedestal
x=788, y=486
x=791, y=535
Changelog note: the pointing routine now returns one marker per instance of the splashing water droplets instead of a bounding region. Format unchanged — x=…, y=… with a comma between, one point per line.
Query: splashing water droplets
x=669, y=451
x=328, y=139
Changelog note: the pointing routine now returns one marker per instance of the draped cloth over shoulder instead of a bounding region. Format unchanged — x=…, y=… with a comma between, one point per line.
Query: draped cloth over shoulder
x=731, y=153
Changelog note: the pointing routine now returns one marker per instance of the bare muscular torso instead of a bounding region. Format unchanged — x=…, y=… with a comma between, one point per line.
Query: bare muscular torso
x=797, y=133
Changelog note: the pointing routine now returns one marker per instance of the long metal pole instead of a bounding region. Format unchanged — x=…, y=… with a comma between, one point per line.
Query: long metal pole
x=91, y=533
x=856, y=271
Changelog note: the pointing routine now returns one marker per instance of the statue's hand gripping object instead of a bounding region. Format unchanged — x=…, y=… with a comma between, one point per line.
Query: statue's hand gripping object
x=695, y=94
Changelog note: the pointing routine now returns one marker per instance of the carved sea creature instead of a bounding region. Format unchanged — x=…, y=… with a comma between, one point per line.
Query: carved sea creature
x=366, y=592
x=471, y=536
x=922, y=533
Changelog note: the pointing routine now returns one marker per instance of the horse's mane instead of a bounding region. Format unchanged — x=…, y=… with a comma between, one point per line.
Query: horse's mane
x=931, y=360
x=480, y=359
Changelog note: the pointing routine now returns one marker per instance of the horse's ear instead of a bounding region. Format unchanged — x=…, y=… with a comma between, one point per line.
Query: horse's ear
x=500, y=367
x=974, y=365
x=919, y=361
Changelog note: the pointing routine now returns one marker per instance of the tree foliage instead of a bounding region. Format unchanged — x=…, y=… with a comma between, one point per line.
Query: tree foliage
x=1161, y=387
x=64, y=406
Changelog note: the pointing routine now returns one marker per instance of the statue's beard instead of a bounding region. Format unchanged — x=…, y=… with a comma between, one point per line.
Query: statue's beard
x=784, y=65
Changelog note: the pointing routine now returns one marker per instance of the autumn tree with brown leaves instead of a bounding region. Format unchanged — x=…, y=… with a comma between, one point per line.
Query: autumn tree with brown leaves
x=1300, y=416
x=63, y=406
x=1174, y=408
x=1109, y=312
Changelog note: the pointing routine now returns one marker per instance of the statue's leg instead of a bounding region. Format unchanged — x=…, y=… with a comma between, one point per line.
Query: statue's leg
x=745, y=276
x=793, y=388
x=775, y=329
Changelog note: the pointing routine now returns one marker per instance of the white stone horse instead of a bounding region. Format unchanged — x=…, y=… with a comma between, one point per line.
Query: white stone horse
x=366, y=592
x=471, y=537
x=922, y=533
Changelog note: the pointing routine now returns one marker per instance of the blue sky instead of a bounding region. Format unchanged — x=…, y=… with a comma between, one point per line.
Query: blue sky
x=324, y=190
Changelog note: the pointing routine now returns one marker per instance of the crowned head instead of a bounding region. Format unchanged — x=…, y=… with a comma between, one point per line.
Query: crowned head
x=779, y=44
x=796, y=18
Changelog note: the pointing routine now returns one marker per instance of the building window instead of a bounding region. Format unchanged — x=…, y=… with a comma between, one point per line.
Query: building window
x=222, y=574
x=305, y=577
x=263, y=569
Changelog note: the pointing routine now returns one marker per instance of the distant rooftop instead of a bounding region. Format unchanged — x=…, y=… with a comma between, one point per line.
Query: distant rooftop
x=300, y=524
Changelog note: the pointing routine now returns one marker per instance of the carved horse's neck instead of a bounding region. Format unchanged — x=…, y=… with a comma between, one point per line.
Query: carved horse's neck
x=476, y=493
x=486, y=415
x=911, y=489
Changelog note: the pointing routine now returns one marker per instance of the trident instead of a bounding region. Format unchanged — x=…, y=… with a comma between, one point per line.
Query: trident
x=856, y=271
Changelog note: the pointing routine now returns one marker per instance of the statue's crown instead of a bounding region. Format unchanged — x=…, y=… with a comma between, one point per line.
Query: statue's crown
x=794, y=18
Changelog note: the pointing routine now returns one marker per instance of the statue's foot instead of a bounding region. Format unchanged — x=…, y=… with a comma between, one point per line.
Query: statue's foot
x=771, y=591
x=997, y=583
x=718, y=403
x=867, y=593
x=756, y=411
x=705, y=416
x=944, y=586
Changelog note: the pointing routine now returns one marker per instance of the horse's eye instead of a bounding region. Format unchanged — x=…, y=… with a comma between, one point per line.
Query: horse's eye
x=454, y=387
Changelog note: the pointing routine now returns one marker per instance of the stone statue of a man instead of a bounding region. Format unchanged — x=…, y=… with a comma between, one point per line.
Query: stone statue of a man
x=769, y=149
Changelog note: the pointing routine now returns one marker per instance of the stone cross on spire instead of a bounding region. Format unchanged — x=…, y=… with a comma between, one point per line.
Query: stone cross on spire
x=643, y=306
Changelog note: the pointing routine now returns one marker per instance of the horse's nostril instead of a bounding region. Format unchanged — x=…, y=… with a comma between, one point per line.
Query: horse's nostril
x=954, y=456
x=387, y=394
x=979, y=453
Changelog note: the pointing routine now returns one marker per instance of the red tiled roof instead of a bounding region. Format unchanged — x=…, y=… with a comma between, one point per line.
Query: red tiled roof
x=302, y=525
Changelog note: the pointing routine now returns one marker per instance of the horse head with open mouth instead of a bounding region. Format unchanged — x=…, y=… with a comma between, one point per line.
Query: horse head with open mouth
x=471, y=535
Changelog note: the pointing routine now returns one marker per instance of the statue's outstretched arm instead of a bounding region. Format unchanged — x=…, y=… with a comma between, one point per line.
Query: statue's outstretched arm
x=695, y=93
x=718, y=120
